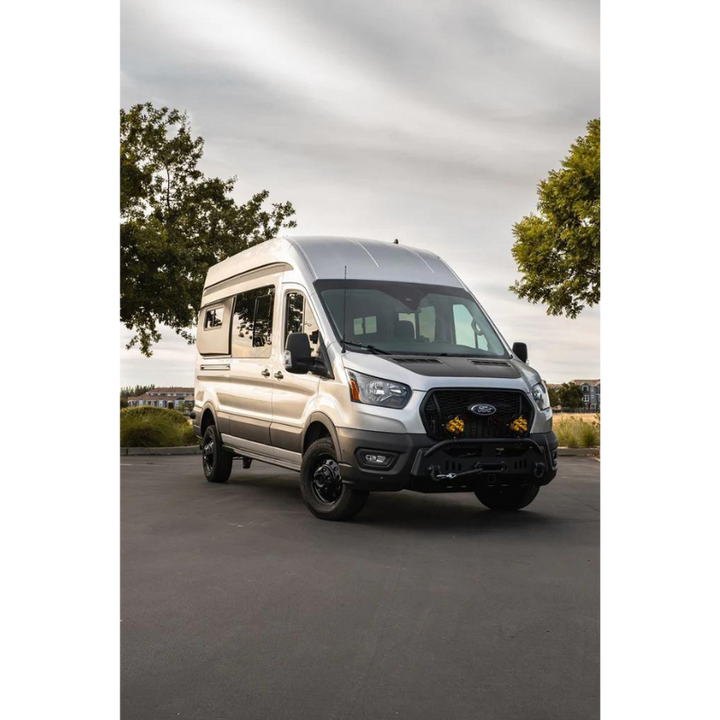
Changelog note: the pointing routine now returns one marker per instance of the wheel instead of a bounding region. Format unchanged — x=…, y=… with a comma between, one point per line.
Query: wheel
x=217, y=462
x=513, y=497
x=321, y=485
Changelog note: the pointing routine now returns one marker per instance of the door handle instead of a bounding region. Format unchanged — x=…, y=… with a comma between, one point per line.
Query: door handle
x=265, y=373
x=279, y=375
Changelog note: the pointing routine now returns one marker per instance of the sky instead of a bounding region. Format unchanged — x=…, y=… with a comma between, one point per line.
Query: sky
x=430, y=122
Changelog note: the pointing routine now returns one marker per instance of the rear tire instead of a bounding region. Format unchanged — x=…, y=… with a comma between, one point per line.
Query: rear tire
x=217, y=462
x=322, y=488
x=506, y=498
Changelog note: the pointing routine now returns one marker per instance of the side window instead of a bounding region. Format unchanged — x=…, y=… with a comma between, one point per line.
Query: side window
x=466, y=330
x=214, y=318
x=213, y=335
x=423, y=322
x=252, y=323
x=365, y=325
x=426, y=323
x=299, y=318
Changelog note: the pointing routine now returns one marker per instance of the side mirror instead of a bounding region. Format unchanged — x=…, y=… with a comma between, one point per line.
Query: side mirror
x=520, y=351
x=298, y=356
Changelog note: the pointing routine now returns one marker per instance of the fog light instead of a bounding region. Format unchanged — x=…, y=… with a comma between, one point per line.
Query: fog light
x=375, y=458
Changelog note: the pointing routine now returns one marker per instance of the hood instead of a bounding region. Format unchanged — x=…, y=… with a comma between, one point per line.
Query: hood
x=426, y=372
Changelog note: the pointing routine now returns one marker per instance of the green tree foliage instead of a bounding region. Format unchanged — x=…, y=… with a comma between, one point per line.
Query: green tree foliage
x=558, y=250
x=554, y=397
x=570, y=395
x=175, y=223
x=134, y=391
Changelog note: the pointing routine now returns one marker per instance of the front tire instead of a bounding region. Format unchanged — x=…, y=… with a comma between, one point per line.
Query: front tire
x=507, y=498
x=322, y=488
x=217, y=462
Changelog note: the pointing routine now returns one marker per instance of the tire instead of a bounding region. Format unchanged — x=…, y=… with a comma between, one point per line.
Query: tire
x=217, y=462
x=322, y=489
x=507, y=498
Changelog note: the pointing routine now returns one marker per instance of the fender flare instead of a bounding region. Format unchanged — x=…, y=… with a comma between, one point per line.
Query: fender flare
x=323, y=419
x=207, y=406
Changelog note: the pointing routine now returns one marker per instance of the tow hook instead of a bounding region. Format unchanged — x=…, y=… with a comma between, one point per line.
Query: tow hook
x=476, y=469
x=539, y=469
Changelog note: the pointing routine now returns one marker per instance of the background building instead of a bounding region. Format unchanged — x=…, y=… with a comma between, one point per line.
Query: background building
x=591, y=393
x=172, y=398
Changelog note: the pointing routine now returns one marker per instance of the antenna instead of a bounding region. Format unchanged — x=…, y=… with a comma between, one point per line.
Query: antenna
x=344, y=306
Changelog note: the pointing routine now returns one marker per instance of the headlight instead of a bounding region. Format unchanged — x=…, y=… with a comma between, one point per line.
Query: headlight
x=541, y=396
x=374, y=391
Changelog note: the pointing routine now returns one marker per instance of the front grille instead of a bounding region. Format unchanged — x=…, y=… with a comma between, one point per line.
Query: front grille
x=442, y=406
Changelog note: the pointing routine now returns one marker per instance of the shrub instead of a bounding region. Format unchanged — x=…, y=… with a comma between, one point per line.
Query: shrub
x=188, y=434
x=149, y=426
x=145, y=411
x=589, y=434
x=149, y=432
x=575, y=432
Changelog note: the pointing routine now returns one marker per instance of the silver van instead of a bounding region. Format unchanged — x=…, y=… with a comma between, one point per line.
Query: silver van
x=365, y=365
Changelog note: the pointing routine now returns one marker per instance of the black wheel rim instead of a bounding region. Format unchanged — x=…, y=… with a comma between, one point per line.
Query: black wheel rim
x=326, y=483
x=208, y=452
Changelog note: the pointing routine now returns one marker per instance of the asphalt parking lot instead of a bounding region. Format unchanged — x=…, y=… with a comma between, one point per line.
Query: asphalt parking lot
x=239, y=604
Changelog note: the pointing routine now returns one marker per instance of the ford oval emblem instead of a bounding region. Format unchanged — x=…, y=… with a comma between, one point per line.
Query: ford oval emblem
x=483, y=409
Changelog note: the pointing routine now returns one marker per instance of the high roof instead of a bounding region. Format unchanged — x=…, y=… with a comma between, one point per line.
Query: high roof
x=327, y=258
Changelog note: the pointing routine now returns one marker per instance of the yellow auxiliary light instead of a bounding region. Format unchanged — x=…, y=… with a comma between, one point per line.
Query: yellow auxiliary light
x=455, y=426
x=519, y=425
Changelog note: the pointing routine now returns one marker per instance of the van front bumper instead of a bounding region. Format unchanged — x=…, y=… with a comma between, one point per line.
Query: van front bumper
x=417, y=462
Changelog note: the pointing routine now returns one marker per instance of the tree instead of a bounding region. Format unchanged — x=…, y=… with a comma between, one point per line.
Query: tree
x=570, y=395
x=554, y=395
x=134, y=391
x=558, y=250
x=175, y=223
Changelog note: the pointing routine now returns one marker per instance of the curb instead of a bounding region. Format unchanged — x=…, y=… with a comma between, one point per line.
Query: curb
x=188, y=450
x=578, y=452
x=194, y=450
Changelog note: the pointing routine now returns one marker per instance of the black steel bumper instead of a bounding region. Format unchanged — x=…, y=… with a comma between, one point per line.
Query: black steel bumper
x=422, y=464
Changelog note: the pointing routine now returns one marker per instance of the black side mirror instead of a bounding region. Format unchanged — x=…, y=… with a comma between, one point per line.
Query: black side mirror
x=520, y=351
x=298, y=356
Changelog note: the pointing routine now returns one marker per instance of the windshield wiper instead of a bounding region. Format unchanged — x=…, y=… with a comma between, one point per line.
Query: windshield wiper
x=371, y=348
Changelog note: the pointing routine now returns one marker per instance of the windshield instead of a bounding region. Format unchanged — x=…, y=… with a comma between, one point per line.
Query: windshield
x=409, y=319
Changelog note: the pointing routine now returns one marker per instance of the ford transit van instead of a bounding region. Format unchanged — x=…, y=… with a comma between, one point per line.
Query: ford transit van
x=365, y=366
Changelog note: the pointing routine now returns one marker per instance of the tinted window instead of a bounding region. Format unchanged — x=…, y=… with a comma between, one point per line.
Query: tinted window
x=467, y=331
x=213, y=318
x=409, y=318
x=299, y=318
x=252, y=323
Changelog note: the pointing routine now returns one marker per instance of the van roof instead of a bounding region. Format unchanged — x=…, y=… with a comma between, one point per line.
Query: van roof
x=325, y=258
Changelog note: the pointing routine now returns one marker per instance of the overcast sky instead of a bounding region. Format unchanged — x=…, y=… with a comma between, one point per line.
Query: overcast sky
x=431, y=122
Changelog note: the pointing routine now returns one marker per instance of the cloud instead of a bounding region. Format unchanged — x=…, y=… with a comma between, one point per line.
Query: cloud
x=428, y=122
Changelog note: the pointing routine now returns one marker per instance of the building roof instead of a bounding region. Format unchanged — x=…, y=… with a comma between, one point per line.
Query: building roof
x=176, y=390
x=171, y=398
x=587, y=382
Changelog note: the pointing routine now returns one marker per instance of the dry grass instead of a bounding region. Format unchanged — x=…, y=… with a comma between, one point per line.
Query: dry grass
x=577, y=430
